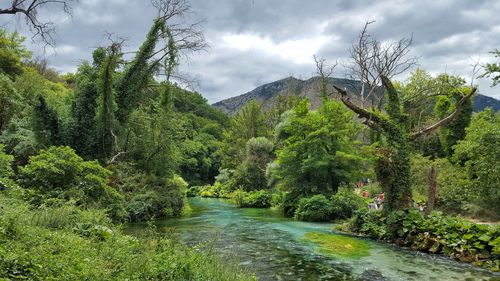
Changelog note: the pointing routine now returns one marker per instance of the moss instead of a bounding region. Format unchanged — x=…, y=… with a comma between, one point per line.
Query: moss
x=338, y=245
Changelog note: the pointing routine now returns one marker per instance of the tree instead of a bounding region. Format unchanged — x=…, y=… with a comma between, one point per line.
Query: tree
x=478, y=152
x=426, y=99
x=9, y=102
x=493, y=69
x=251, y=173
x=105, y=118
x=393, y=169
x=12, y=52
x=249, y=122
x=5, y=164
x=82, y=131
x=46, y=124
x=325, y=72
x=372, y=59
x=30, y=10
x=318, y=150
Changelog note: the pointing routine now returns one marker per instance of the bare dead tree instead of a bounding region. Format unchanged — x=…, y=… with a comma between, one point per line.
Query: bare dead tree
x=187, y=37
x=372, y=59
x=324, y=71
x=45, y=30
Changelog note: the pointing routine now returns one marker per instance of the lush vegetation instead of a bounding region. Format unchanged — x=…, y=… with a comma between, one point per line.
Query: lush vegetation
x=435, y=233
x=118, y=141
x=67, y=242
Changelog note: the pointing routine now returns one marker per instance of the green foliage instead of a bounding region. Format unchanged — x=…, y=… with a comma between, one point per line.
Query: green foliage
x=46, y=124
x=252, y=199
x=9, y=102
x=148, y=196
x=344, y=203
x=436, y=234
x=59, y=173
x=5, y=164
x=493, y=69
x=82, y=131
x=12, y=52
x=318, y=150
x=248, y=123
x=478, y=152
x=106, y=106
x=316, y=208
x=138, y=72
x=455, y=192
x=251, y=173
x=67, y=243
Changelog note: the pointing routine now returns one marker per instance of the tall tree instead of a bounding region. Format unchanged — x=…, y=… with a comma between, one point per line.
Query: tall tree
x=393, y=169
x=106, y=109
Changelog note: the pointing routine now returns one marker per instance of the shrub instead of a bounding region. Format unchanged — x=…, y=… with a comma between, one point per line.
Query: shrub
x=161, y=198
x=148, y=196
x=252, y=199
x=193, y=191
x=59, y=172
x=316, y=208
x=5, y=164
x=344, y=203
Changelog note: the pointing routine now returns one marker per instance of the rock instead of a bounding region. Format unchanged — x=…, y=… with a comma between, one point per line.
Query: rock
x=372, y=275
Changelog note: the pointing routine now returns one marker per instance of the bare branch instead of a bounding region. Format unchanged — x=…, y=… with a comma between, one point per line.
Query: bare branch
x=371, y=59
x=445, y=120
x=30, y=8
x=371, y=120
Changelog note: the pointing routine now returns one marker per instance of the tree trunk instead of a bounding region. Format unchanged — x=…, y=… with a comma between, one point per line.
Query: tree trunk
x=432, y=190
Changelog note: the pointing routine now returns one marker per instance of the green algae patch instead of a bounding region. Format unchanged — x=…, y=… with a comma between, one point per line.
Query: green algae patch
x=338, y=245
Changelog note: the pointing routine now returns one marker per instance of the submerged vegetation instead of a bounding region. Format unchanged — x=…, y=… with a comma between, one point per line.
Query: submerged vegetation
x=338, y=245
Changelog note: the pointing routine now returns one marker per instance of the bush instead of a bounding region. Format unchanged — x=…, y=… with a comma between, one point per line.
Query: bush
x=316, y=208
x=158, y=199
x=193, y=191
x=252, y=199
x=148, y=196
x=5, y=164
x=59, y=173
x=344, y=203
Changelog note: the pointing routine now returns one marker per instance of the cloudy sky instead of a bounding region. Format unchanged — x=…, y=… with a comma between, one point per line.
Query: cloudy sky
x=253, y=42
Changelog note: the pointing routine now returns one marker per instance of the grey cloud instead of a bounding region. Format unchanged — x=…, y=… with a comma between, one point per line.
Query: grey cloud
x=447, y=34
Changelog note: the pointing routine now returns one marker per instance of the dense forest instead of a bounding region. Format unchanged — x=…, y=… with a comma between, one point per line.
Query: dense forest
x=120, y=141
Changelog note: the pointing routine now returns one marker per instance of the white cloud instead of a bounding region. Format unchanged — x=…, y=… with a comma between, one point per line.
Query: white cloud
x=299, y=51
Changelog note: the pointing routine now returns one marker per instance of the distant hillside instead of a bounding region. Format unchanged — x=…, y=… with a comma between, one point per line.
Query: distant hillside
x=481, y=102
x=267, y=93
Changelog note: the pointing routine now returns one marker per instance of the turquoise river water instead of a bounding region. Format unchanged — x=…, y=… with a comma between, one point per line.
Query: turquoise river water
x=274, y=248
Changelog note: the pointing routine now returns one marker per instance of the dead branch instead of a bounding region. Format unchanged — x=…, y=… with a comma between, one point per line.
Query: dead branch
x=30, y=8
x=445, y=120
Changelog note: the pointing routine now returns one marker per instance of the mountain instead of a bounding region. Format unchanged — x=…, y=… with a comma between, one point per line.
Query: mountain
x=481, y=102
x=267, y=93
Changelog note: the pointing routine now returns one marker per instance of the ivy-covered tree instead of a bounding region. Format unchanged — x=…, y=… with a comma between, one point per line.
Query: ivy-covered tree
x=106, y=121
x=82, y=131
x=46, y=124
x=393, y=168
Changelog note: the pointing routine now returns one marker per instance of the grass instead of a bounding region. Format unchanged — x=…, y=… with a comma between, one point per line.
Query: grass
x=69, y=243
x=338, y=245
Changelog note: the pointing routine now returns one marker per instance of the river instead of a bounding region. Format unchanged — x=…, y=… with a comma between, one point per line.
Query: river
x=277, y=248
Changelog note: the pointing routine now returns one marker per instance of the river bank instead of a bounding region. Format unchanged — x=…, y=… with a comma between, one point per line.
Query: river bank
x=279, y=248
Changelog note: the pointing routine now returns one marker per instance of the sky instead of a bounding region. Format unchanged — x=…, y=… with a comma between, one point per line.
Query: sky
x=253, y=42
